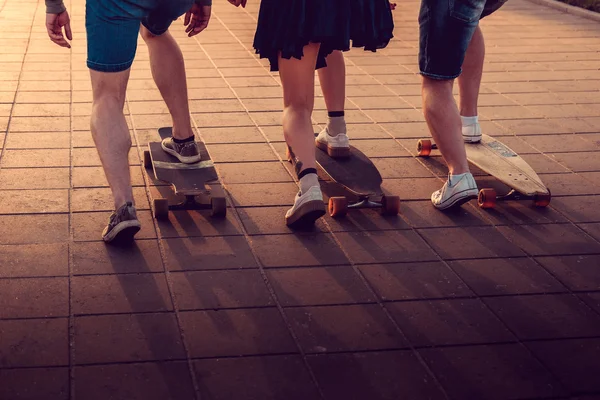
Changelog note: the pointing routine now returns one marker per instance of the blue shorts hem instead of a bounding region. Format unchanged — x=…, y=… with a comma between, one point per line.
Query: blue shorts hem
x=439, y=77
x=109, y=67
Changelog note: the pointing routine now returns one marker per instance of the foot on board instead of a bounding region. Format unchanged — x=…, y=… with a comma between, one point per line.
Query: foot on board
x=335, y=146
x=186, y=152
x=457, y=190
x=308, y=208
x=471, y=133
x=122, y=225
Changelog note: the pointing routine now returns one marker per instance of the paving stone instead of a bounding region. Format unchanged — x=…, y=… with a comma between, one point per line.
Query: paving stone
x=151, y=381
x=373, y=375
x=411, y=281
x=125, y=293
x=491, y=372
x=126, y=338
x=32, y=229
x=215, y=290
x=34, y=383
x=488, y=277
x=34, y=260
x=236, y=332
x=448, y=322
x=574, y=362
x=546, y=317
x=578, y=273
x=227, y=252
x=318, y=286
x=541, y=240
x=34, y=343
x=96, y=258
x=255, y=378
x=34, y=297
x=344, y=328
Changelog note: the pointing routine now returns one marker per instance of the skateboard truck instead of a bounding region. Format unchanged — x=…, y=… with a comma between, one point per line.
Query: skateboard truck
x=338, y=206
x=488, y=198
x=192, y=181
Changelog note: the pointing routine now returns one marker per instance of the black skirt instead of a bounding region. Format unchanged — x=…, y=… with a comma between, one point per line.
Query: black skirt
x=287, y=26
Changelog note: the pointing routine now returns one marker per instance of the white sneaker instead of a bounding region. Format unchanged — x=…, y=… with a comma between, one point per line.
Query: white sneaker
x=471, y=133
x=308, y=207
x=456, y=191
x=335, y=146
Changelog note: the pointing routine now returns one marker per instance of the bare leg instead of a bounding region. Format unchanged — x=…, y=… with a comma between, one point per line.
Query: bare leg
x=469, y=81
x=333, y=138
x=168, y=71
x=444, y=123
x=297, y=78
x=333, y=82
x=110, y=132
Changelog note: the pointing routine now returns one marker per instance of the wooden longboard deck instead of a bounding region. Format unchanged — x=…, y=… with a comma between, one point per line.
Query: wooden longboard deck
x=187, y=179
x=356, y=173
x=498, y=160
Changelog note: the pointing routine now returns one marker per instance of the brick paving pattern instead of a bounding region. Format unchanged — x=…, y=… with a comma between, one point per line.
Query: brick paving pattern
x=463, y=305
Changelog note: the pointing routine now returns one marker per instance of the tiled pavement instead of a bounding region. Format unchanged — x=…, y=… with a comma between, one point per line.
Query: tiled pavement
x=467, y=305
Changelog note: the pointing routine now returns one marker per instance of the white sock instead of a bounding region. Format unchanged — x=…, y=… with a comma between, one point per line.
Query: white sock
x=308, y=181
x=336, y=125
x=466, y=121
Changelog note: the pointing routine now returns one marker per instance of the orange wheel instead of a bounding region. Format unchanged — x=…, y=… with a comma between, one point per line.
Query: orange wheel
x=390, y=205
x=487, y=198
x=542, y=200
x=338, y=206
x=424, y=147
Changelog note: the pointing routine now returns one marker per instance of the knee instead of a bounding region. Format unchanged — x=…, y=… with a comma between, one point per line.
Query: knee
x=435, y=93
x=108, y=103
x=299, y=107
x=146, y=34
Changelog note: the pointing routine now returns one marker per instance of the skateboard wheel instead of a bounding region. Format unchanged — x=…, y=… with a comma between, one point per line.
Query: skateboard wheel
x=487, y=198
x=161, y=208
x=542, y=200
x=424, y=147
x=390, y=205
x=338, y=206
x=147, y=160
x=219, y=206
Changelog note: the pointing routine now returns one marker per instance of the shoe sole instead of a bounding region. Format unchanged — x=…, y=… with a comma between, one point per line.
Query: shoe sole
x=457, y=203
x=183, y=159
x=123, y=233
x=472, y=139
x=306, y=215
x=334, y=152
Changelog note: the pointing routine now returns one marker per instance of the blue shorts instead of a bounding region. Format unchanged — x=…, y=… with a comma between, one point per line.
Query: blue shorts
x=113, y=26
x=446, y=28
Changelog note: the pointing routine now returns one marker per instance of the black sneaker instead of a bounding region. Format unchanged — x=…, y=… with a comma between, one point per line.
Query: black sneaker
x=122, y=225
x=187, y=152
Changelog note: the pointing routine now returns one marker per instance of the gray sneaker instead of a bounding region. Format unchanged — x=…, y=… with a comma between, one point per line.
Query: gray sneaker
x=122, y=225
x=187, y=152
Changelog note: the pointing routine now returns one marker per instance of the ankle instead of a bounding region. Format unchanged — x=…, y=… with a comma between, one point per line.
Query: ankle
x=336, y=123
x=469, y=120
x=183, y=134
x=308, y=178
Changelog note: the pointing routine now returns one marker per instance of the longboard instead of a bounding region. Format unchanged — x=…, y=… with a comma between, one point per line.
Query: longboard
x=192, y=181
x=358, y=176
x=498, y=160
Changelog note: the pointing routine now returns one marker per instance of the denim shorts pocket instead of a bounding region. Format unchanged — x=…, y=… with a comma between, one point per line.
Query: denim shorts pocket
x=466, y=10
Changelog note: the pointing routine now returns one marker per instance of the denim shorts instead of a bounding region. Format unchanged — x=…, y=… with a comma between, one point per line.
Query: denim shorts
x=113, y=26
x=446, y=28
